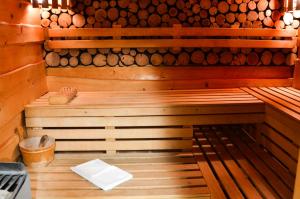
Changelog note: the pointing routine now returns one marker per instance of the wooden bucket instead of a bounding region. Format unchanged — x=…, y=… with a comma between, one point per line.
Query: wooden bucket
x=34, y=155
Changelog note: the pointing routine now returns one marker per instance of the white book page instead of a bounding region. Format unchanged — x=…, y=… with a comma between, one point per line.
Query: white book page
x=90, y=168
x=101, y=174
x=110, y=178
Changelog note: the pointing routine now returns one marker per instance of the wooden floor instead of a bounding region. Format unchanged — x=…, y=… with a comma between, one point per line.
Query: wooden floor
x=225, y=163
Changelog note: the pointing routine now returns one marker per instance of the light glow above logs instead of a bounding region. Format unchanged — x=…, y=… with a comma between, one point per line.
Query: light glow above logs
x=291, y=5
x=50, y=3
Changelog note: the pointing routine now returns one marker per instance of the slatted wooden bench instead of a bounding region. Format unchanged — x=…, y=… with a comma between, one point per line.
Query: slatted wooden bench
x=280, y=132
x=139, y=120
x=225, y=163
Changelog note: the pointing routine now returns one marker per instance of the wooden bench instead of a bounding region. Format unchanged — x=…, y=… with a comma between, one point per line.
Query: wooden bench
x=225, y=162
x=139, y=120
x=280, y=132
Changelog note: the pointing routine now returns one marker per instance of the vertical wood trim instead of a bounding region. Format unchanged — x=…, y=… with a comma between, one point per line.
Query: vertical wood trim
x=54, y=4
x=297, y=181
x=296, y=82
x=64, y=4
x=45, y=4
x=35, y=3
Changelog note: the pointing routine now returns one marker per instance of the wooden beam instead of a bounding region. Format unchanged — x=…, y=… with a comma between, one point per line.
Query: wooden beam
x=173, y=73
x=83, y=84
x=297, y=181
x=155, y=43
x=206, y=32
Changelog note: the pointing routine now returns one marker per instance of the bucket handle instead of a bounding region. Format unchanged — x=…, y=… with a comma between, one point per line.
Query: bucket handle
x=43, y=141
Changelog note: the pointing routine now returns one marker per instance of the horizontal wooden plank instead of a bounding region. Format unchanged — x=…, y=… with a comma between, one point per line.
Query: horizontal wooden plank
x=173, y=73
x=134, y=184
x=175, y=31
x=40, y=111
x=157, y=43
x=279, y=139
x=144, y=121
x=277, y=152
x=175, y=193
x=113, y=133
x=283, y=123
x=9, y=53
x=20, y=34
x=18, y=88
x=122, y=145
x=55, y=83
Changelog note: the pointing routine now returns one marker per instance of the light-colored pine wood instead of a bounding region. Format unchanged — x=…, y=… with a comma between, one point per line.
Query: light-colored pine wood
x=54, y=83
x=139, y=43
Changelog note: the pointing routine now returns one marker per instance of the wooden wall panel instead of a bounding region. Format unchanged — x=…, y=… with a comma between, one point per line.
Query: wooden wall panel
x=20, y=34
x=18, y=12
x=10, y=134
x=19, y=87
x=26, y=54
x=22, y=70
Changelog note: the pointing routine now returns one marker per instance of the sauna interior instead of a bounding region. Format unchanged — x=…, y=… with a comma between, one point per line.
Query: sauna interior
x=194, y=98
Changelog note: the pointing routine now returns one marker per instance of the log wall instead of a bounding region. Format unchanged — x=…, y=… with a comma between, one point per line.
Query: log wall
x=163, y=13
x=22, y=70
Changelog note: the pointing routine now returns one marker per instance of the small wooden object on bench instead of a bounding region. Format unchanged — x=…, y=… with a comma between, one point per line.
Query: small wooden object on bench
x=64, y=96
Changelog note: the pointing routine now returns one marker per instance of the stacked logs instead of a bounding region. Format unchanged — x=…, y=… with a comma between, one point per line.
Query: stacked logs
x=161, y=13
x=168, y=57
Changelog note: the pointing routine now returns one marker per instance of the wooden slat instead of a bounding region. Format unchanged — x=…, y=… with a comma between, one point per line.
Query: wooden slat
x=144, y=121
x=285, y=125
x=207, y=32
x=155, y=43
x=213, y=184
x=170, y=173
x=113, y=133
x=122, y=145
x=20, y=34
x=256, y=178
x=55, y=83
x=220, y=170
x=274, y=181
x=284, y=143
x=280, y=154
x=285, y=175
x=277, y=104
x=172, y=73
x=45, y=111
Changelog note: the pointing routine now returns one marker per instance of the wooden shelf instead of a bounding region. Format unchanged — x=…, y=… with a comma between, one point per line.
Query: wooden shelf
x=289, y=38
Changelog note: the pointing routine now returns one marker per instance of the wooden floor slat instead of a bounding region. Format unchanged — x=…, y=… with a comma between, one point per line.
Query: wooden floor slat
x=225, y=165
x=241, y=179
x=272, y=178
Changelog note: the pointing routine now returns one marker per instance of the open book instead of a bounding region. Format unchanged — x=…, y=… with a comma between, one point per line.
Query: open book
x=101, y=174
